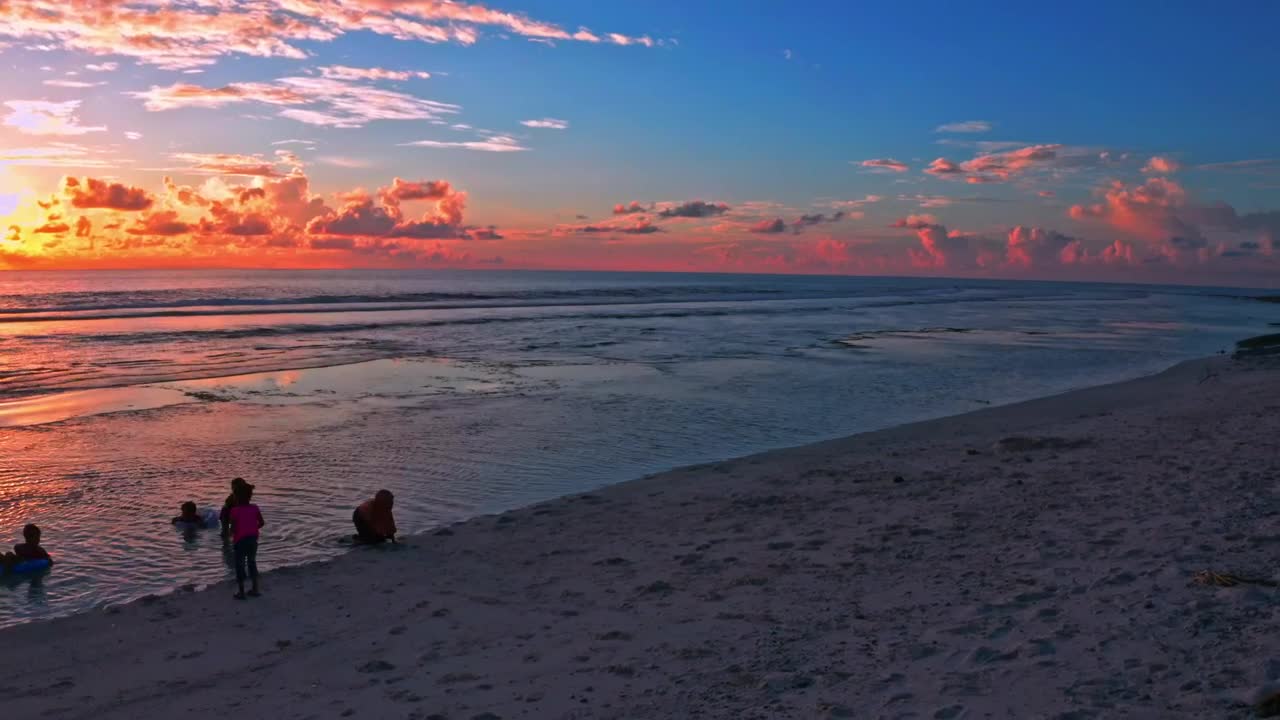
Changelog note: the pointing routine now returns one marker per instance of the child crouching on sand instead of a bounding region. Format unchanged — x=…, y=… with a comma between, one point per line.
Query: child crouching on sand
x=246, y=521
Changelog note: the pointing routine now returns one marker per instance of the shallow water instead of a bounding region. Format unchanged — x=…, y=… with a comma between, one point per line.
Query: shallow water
x=485, y=391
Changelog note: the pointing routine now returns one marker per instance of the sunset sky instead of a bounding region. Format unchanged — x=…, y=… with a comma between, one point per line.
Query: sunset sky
x=1098, y=141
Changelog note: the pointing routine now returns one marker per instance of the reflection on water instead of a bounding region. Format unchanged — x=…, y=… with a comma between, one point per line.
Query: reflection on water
x=44, y=409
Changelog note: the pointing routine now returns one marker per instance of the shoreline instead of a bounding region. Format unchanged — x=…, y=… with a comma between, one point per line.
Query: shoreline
x=765, y=582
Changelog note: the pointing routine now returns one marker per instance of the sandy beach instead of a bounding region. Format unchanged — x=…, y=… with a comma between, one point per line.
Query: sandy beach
x=1035, y=560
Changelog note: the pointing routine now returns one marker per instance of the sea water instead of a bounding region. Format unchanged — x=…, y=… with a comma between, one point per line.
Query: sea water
x=123, y=394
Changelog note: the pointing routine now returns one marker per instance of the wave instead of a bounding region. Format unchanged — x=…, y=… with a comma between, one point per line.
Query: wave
x=161, y=300
x=879, y=297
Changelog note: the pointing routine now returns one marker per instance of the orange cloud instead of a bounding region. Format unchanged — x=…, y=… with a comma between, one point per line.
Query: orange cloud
x=94, y=193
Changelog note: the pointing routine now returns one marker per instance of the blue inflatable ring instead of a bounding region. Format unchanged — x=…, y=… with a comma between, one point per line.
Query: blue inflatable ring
x=28, y=567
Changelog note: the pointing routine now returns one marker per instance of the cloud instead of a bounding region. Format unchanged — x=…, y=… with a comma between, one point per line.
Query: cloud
x=362, y=217
x=1037, y=247
x=40, y=117
x=1149, y=210
x=102, y=67
x=57, y=154
x=132, y=135
x=966, y=126
x=493, y=143
x=633, y=207
x=84, y=227
x=489, y=233
x=185, y=95
x=343, y=162
x=546, y=123
x=817, y=219
x=1161, y=165
x=333, y=243
x=404, y=190
x=885, y=164
x=786, y=54
x=95, y=193
x=940, y=201
x=1253, y=166
x=694, y=209
x=294, y=142
x=163, y=223
x=775, y=225
x=72, y=83
x=311, y=100
x=229, y=164
x=854, y=204
x=53, y=227
x=995, y=167
x=1162, y=213
x=192, y=35
x=640, y=226
x=943, y=166
x=949, y=250
x=343, y=72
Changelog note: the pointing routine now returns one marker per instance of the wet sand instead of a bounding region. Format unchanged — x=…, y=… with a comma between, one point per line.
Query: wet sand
x=1036, y=560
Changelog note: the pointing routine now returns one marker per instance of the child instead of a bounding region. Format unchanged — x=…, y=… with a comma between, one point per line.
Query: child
x=189, y=516
x=29, y=550
x=373, y=520
x=225, y=516
x=246, y=520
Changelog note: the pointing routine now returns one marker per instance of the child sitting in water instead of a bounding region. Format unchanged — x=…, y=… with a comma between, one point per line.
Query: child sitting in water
x=29, y=550
x=189, y=515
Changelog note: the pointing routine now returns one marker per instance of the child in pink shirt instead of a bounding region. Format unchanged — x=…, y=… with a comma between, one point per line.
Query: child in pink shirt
x=246, y=521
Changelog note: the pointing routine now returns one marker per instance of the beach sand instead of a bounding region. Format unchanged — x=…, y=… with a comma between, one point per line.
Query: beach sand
x=1030, y=561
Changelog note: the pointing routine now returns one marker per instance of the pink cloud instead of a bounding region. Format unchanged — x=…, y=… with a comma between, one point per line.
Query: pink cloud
x=1037, y=247
x=188, y=36
x=231, y=164
x=639, y=226
x=885, y=164
x=633, y=207
x=943, y=166
x=1148, y=211
x=311, y=100
x=1161, y=165
x=775, y=225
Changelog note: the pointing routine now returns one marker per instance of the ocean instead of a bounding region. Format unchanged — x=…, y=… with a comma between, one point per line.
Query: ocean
x=123, y=394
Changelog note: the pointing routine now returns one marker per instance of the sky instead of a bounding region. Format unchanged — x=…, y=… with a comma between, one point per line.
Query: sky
x=1098, y=141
